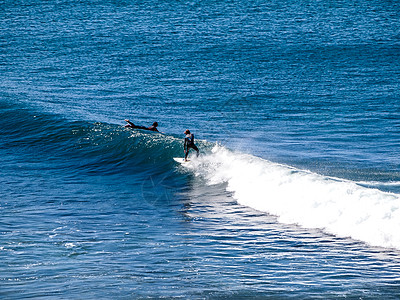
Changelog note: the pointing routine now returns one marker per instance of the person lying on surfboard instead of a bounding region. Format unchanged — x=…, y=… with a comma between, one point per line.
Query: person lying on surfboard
x=131, y=125
x=189, y=143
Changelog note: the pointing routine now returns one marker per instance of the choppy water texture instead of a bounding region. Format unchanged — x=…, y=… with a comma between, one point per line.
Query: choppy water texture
x=295, y=107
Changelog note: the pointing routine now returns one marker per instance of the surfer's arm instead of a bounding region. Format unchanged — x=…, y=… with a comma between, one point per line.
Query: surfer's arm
x=129, y=122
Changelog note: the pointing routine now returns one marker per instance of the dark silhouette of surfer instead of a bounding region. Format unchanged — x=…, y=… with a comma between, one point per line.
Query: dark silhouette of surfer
x=189, y=143
x=151, y=128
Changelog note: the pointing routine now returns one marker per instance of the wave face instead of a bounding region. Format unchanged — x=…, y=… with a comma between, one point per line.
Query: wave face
x=83, y=147
x=340, y=207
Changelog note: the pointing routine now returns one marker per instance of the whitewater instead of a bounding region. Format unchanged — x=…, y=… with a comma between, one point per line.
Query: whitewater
x=338, y=206
x=295, y=108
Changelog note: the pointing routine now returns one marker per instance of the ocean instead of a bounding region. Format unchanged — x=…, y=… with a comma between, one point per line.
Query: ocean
x=295, y=107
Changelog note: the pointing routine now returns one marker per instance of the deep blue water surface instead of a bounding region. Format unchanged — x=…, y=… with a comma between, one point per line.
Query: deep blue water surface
x=295, y=106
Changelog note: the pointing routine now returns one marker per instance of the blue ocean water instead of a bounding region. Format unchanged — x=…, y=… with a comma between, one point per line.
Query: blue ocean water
x=294, y=106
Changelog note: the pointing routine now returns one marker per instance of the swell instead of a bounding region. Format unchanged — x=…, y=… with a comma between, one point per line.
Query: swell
x=80, y=147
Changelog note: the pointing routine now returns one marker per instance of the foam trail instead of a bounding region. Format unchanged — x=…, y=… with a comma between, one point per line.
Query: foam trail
x=379, y=183
x=340, y=207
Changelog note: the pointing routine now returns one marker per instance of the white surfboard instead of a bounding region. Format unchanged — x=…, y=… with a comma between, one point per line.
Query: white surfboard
x=181, y=160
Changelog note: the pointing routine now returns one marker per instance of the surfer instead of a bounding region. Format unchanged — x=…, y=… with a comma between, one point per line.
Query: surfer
x=189, y=143
x=152, y=127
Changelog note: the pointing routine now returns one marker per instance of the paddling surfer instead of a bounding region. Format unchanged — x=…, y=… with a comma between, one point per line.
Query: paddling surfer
x=151, y=128
x=189, y=143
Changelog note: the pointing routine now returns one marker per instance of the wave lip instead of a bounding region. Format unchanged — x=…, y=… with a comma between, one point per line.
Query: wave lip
x=340, y=207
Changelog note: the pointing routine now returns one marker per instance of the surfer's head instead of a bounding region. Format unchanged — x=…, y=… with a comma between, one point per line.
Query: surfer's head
x=155, y=124
x=187, y=131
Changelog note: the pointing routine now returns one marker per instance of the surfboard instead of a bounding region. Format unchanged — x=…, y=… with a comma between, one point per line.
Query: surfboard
x=181, y=160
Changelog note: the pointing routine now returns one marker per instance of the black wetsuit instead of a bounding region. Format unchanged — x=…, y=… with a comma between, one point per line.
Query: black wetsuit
x=189, y=143
x=152, y=128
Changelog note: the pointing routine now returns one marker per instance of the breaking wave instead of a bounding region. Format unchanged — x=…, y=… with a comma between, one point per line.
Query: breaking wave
x=340, y=207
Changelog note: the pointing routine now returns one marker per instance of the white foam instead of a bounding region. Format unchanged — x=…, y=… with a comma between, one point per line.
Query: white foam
x=380, y=183
x=340, y=207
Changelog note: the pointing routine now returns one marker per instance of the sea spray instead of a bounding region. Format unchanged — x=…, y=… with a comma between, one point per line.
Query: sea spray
x=340, y=207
